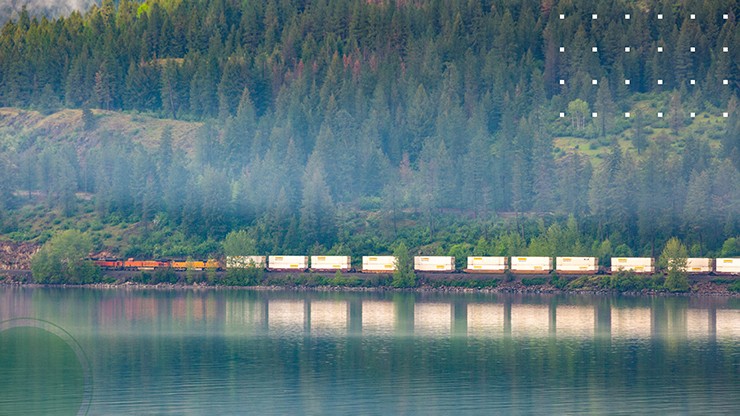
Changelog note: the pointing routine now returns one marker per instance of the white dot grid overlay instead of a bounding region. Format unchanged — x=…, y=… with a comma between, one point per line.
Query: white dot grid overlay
x=659, y=49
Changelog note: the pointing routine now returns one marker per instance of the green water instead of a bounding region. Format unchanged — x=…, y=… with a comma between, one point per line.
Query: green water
x=134, y=351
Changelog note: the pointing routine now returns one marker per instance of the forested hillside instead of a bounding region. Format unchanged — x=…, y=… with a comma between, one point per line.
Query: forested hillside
x=499, y=127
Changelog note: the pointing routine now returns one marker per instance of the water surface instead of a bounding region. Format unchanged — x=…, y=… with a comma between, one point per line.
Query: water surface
x=217, y=351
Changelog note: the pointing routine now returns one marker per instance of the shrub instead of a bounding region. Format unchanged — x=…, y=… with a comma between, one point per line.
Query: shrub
x=534, y=281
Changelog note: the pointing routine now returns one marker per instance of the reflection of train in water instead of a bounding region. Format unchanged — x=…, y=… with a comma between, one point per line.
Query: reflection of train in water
x=443, y=264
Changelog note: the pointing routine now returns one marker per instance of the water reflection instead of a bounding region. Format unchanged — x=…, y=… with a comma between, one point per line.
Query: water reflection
x=318, y=314
x=276, y=352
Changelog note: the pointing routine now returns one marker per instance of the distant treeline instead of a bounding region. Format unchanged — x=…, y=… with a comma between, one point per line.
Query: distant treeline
x=317, y=112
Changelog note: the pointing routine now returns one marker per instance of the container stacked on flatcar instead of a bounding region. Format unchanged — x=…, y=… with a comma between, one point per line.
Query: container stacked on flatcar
x=728, y=266
x=242, y=262
x=434, y=264
x=331, y=263
x=483, y=264
x=635, y=264
x=378, y=264
x=577, y=265
x=287, y=263
x=699, y=265
x=531, y=265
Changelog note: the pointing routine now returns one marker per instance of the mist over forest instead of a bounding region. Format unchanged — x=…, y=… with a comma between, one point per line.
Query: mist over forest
x=345, y=126
x=11, y=9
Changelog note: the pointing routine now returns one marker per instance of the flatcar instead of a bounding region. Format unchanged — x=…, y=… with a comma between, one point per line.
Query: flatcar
x=387, y=264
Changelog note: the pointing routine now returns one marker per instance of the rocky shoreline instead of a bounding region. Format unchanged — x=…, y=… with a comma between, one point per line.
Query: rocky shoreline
x=698, y=288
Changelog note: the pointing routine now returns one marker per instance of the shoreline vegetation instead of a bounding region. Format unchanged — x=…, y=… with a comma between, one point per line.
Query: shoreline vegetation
x=623, y=283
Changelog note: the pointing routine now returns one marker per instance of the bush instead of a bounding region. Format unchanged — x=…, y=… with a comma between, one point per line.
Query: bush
x=534, y=281
x=560, y=282
x=249, y=276
x=167, y=275
x=63, y=259
x=734, y=287
x=341, y=280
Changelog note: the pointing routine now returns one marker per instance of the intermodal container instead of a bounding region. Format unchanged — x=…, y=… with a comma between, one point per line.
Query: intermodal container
x=728, y=266
x=487, y=264
x=635, y=264
x=699, y=265
x=243, y=262
x=531, y=265
x=434, y=263
x=287, y=263
x=331, y=263
x=378, y=264
x=577, y=265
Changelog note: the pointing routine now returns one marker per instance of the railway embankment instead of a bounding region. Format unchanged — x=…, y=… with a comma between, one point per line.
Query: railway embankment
x=626, y=284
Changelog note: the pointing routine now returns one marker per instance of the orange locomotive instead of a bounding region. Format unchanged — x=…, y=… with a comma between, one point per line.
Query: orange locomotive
x=131, y=264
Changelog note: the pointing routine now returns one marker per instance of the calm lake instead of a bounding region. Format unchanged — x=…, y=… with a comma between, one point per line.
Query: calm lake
x=218, y=351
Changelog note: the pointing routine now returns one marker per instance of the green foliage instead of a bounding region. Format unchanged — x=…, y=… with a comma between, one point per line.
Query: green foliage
x=337, y=144
x=734, y=286
x=561, y=282
x=404, y=275
x=239, y=243
x=249, y=276
x=340, y=280
x=673, y=259
x=63, y=259
x=731, y=247
x=534, y=281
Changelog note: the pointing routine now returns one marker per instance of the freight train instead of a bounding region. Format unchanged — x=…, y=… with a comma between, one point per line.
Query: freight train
x=441, y=264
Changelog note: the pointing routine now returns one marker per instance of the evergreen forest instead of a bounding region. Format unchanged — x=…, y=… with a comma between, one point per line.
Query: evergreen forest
x=494, y=127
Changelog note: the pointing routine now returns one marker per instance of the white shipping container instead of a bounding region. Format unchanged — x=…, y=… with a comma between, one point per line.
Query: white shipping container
x=577, y=264
x=487, y=264
x=531, y=264
x=287, y=262
x=434, y=263
x=699, y=265
x=728, y=265
x=242, y=262
x=378, y=264
x=636, y=264
x=330, y=263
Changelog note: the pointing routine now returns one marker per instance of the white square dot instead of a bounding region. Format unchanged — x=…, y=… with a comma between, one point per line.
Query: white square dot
x=594, y=115
x=626, y=48
x=562, y=82
x=725, y=16
x=725, y=115
x=562, y=49
x=660, y=17
x=660, y=115
x=692, y=17
x=660, y=82
x=692, y=49
x=594, y=16
x=562, y=115
x=692, y=115
x=725, y=82
x=594, y=49
x=627, y=16
x=725, y=49
x=660, y=49
x=626, y=82
x=692, y=82
x=627, y=115
x=562, y=16
x=594, y=82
